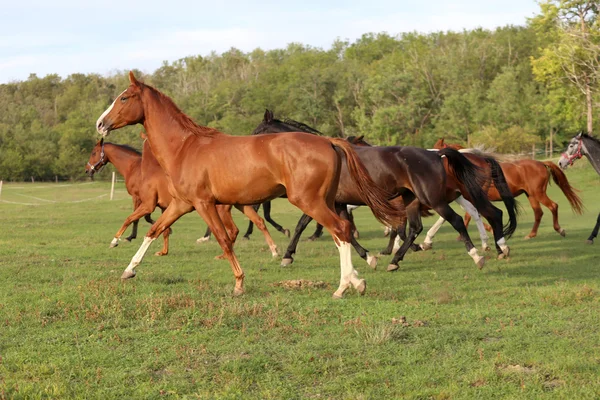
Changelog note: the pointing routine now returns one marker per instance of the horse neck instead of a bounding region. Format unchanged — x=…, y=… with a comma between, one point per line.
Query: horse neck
x=165, y=137
x=592, y=152
x=124, y=160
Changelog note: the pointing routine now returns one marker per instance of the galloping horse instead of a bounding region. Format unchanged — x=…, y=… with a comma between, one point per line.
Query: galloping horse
x=531, y=177
x=579, y=146
x=147, y=184
x=205, y=167
x=419, y=177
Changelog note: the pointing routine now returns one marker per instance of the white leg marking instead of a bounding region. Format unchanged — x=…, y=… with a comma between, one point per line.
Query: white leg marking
x=476, y=257
x=274, y=251
x=396, y=244
x=203, y=239
x=433, y=230
x=503, y=245
x=115, y=241
x=348, y=273
x=137, y=258
x=372, y=261
x=470, y=208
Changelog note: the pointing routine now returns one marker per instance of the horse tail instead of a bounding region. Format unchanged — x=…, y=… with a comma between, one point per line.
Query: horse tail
x=561, y=180
x=507, y=197
x=374, y=197
x=469, y=175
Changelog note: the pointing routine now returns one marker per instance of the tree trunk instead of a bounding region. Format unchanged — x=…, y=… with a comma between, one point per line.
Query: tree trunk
x=588, y=100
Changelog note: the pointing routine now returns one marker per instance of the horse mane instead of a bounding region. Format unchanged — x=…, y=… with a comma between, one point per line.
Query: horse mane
x=126, y=147
x=300, y=125
x=178, y=116
x=585, y=135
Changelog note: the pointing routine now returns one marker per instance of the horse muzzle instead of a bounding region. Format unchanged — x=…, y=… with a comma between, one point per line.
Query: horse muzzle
x=104, y=126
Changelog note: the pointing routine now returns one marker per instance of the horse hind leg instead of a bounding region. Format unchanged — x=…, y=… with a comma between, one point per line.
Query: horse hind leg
x=231, y=228
x=267, y=212
x=457, y=223
x=250, y=224
x=415, y=226
x=251, y=213
x=594, y=232
x=133, y=218
x=472, y=211
x=538, y=214
x=553, y=207
x=362, y=252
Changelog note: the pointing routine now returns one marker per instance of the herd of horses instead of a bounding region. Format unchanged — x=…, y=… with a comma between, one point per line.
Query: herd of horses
x=185, y=167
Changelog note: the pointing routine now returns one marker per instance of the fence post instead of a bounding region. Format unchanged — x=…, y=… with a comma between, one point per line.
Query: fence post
x=1, y=188
x=112, y=186
x=533, y=152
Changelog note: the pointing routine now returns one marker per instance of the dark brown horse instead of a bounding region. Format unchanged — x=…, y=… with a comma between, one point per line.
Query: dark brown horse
x=205, y=167
x=532, y=177
x=147, y=183
x=415, y=178
x=579, y=146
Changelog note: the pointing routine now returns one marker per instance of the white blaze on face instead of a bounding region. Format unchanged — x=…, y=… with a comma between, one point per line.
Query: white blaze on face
x=103, y=131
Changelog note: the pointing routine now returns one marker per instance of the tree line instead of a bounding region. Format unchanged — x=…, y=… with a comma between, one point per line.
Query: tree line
x=508, y=88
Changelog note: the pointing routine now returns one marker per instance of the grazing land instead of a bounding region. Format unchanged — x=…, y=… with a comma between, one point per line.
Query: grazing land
x=438, y=328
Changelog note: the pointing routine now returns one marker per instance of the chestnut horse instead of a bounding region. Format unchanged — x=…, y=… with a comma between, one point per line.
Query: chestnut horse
x=579, y=146
x=147, y=184
x=205, y=167
x=532, y=177
x=415, y=178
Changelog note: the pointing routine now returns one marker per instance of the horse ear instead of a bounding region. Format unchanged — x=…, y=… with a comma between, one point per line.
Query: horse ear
x=143, y=135
x=360, y=138
x=579, y=135
x=132, y=79
x=268, y=116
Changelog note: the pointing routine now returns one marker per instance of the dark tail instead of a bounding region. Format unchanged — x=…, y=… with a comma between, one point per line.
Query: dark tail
x=374, y=196
x=563, y=183
x=469, y=175
x=507, y=197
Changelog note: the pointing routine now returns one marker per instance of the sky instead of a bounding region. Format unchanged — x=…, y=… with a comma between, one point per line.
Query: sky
x=80, y=36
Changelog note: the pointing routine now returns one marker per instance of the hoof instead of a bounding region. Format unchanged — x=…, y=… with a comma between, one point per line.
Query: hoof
x=129, y=239
x=486, y=248
x=589, y=241
x=372, y=261
x=426, y=246
x=160, y=253
x=562, y=232
x=528, y=237
x=286, y=232
x=286, y=261
x=356, y=235
x=237, y=292
x=480, y=263
x=246, y=237
x=392, y=267
x=336, y=296
x=312, y=238
x=128, y=275
x=362, y=287
x=385, y=253
x=220, y=257
x=203, y=239
x=113, y=244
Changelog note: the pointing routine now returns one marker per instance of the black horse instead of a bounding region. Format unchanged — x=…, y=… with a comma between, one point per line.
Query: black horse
x=414, y=178
x=579, y=146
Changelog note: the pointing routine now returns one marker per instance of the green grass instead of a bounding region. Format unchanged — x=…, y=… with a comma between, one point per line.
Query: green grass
x=69, y=328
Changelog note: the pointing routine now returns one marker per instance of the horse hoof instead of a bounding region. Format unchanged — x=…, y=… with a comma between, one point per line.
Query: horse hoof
x=384, y=253
x=356, y=235
x=112, y=245
x=160, y=253
x=362, y=287
x=312, y=238
x=392, y=267
x=286, y=232
x=486, y=248
x=589, y=241
x=129, y=239
x=203, y=239
x=562, y=232
x=220, y=257
x=426, y=246
x=128, y=275
x=246, y=237
x=336, y=296
x=528, y=237
x=480, y=263
x=238, y=292
x=286, y=261
x=372, y=261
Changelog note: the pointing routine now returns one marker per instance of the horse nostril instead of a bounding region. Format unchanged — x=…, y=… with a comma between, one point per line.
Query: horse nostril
x=99, y=124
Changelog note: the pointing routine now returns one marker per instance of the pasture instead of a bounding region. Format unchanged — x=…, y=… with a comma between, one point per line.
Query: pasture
x=438, y=328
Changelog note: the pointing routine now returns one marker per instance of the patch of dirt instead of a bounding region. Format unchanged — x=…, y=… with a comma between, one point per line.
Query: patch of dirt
x=402, y=321
x=302, y=284
x=479, y=383
x=521, y=369
x=553, y=384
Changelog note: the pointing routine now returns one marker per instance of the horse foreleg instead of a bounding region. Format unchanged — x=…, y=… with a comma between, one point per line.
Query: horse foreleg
x=392, y=240
x=136, y=203
x=176, y=209
x=231, y=229
x=206, y=236
x=428, y=241
x=553, y=207
x=343, y=212
x=472, y=211
x=134, y=217
x=457, y=223
x=415, y=226
x=212, y=217
x=291, y=249
x=317, y=234
x=594, y=232
x=251, y=213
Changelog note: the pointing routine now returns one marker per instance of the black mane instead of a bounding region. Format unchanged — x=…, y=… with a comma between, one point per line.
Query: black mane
x=301, y=126
x=585, y=135
x=126, y=147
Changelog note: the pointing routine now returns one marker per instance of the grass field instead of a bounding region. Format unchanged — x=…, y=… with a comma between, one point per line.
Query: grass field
x=438, y=328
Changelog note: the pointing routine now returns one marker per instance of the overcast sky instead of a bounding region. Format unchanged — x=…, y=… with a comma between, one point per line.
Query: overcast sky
x=68, y=36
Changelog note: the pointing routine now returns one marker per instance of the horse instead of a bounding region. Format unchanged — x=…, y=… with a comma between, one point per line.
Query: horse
x=583, y=145
x=413, y=177
x=128, y=161
x=532, y=177
x=205, y=167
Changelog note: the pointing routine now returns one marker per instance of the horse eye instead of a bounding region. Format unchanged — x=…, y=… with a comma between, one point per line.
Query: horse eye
x=123, y=99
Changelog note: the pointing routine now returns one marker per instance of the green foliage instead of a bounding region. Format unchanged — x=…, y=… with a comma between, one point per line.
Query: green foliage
x=409, y=89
